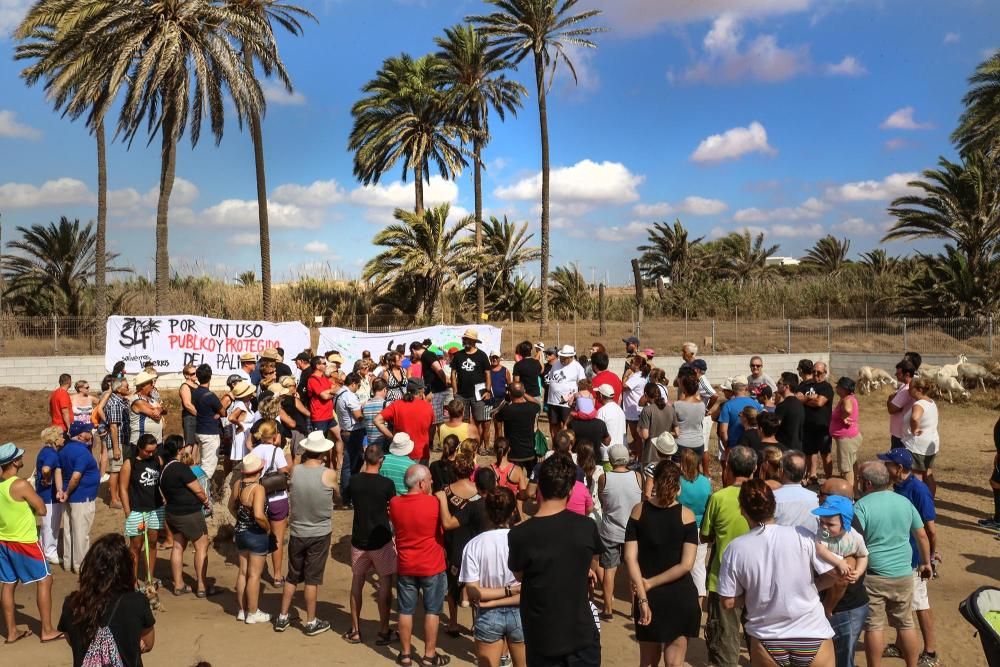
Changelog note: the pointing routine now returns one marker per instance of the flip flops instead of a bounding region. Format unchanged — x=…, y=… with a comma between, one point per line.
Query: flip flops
x=54, y=639
x=18, y=637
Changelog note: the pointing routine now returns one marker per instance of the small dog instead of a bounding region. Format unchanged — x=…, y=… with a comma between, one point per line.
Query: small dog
x=152, y=591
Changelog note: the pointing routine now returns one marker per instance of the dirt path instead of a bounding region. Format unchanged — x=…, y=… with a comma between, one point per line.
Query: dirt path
x=191, y=630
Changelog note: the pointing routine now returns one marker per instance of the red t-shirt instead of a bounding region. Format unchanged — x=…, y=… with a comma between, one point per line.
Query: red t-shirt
x=414, y=418
x=57, y=401
x=419, y=537
x=320, y=409
x=607, y=377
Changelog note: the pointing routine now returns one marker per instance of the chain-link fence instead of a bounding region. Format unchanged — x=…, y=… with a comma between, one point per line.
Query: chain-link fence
x=53, y=336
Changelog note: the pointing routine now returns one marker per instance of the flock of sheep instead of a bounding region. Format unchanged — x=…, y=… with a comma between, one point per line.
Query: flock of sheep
x=949, y=379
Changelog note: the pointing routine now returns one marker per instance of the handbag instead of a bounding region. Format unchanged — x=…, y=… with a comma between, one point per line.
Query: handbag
x=275, y=481
x=541, y=444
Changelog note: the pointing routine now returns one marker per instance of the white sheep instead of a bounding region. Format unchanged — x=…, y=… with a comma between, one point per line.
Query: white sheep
x=946, y=383
x=973, y=372
x=928, y=371
x=951, y=370
x=865, y=380
x=882, y=378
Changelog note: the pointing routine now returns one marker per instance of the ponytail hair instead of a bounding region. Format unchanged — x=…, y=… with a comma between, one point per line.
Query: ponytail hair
x=654, y=395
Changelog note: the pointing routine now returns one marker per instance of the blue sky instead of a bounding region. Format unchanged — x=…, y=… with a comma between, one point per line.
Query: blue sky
x=795, y=117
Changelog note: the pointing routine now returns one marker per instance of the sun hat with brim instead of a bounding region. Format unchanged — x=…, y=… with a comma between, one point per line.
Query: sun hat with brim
x=900, y=456
x=143, y=378
x=251, y=464
x=727, y=384
x=277, y=389
x=335, y=357
x=665, y=444
x=567, y=351
x=837, y=505
x=248, y=357
x=9, y=452
x=272, y=354
x=316, y=443
x=540, y=345
x=618, y=455
x=738, y=381
x=79, y=428
x=243, y=389
x=605, y=390
x=402, y=444
x=288, y=382
x=471, y=334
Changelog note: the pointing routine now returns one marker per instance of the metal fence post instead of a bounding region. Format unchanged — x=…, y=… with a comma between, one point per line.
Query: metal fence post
x=829, y=340
x=991, y=334
x=788, y=346
x=513, y=340
x=905, y=346
x=558, y=335
x=713, y=337
x=367, y=328
x=55, y=334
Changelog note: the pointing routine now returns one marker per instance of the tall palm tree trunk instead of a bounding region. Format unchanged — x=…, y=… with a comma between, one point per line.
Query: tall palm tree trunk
x=418, y=189
x=477, y=147
x=168, y=168
x=100, y=273
x=265, y=232
x=543, y=123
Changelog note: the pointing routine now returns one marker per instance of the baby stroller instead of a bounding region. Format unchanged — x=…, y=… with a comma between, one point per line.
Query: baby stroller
x=982, y=610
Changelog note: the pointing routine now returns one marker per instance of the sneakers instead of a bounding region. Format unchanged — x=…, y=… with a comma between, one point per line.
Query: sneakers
x=928, y=660
x=282, y=623
x=105, y=477
x=892, y=651
x=257, y=617
x=505, y=661
x=241, y=615
x=317, y=626
x=989, y=523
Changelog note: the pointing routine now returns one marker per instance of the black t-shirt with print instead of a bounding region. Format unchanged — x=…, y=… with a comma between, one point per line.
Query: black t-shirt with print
x=127, y=623
x=470, y=370
x=816, y=417
x=555, y=584
x=434, y=383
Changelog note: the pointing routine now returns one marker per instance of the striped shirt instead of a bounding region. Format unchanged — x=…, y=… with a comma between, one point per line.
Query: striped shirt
x=370, y=410
x=394, y=467
x=705, y=390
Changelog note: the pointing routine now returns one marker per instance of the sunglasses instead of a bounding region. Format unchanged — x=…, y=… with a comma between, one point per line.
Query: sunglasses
x=756, y=365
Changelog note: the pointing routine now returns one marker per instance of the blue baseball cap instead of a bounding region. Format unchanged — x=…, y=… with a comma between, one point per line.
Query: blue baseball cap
x=700, y=365
x=9, y=452
x=900, y=456
x=76, y=428
x=837, y=506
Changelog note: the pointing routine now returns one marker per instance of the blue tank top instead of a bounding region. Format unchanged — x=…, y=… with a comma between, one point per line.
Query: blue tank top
x=499, y=380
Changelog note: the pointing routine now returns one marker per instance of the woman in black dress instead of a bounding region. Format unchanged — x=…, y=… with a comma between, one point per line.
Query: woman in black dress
x=661, y=540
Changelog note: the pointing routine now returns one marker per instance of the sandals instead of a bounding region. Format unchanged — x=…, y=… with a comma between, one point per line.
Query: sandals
x=208, y=591
x=183, y=590
x=352, y=637
x=18, y=637
x=54, y=639
x=386, y=638
x=405, y=660
x=607, y=617
x=435, y=661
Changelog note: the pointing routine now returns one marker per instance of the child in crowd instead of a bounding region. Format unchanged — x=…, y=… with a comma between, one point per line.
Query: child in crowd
x=836, y=543
x=584, y=406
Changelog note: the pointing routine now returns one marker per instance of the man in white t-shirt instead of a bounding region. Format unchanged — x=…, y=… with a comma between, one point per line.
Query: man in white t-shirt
x=612, y=415
x=562, y=380
x=794, y=502
x=899, y=403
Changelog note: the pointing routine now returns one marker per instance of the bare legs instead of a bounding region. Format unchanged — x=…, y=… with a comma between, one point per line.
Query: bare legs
x=44, y=596
x=906, y=640
x=248, y=582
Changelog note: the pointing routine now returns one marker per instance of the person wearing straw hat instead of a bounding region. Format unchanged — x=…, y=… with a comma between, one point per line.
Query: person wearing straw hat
x=240, y=419
x=248, y=364
x=397, y=461
x=21, y=557
x=312, y=489
x=145, y=412
x=248, y=503
x=562, y=380
x=470, y=378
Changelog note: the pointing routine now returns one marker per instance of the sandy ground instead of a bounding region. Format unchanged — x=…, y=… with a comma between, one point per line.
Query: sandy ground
x=190, y=630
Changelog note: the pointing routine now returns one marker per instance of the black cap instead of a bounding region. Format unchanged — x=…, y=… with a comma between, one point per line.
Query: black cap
x=700, y=365
x=302, y=356
x=631, y=340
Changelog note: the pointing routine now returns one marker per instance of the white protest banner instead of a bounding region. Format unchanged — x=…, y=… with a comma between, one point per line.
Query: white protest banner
x=352, y=343
x=170, y=342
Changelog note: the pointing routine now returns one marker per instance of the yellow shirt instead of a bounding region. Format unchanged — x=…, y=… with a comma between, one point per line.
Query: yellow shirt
x=17, y=521
x=461, y=431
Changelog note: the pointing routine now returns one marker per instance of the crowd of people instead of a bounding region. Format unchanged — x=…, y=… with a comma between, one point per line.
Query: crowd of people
x=800, y=549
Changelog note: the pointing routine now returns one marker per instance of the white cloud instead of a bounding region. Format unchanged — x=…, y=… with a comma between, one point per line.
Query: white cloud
x=855, y=227
x=952, y=38
x=902, y=119
x=797, y=231
x=11, y=13
x=319, y=194
x=586, y=181
x=243, y=213
x=764, y=59
x=809, y=209
x=275, y=93
x=317, y=247
x=401, y=195
x=11, y=129
x=645, y=16
x=892, y=186
x=58, y=192
x=733, y=144
x=615, y=233
x=849, y=66
x=689, y=205
x=129, y=202
x=250, y=239
x=497, y=164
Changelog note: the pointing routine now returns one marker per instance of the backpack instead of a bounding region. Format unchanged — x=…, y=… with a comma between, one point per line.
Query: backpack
x=103, y=651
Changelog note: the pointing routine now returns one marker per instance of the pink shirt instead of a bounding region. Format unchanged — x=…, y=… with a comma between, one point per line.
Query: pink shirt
x=903, y=401
x=838, y=429
x=579, y=498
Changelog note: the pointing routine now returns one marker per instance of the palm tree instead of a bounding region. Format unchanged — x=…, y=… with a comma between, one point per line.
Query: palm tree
x=51, y=272
x=946, y=285
x=829, y=255
x=175, y=60
x=960, y=203
x=742, y=257
x=979, y=127
x=75, y=79
x=475, y=77
x=542, y=29
x=405, y=116
x=247, y=279
x=520, y=300
x=425, y=249
x=877, y=263
x=669, y=253
x=570, y=291
x=287, y=16
x=506, y=248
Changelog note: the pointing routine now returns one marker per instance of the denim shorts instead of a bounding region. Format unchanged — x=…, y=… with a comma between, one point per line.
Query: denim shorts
x=432, y=587
x=258, y=544
x=497, y=623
